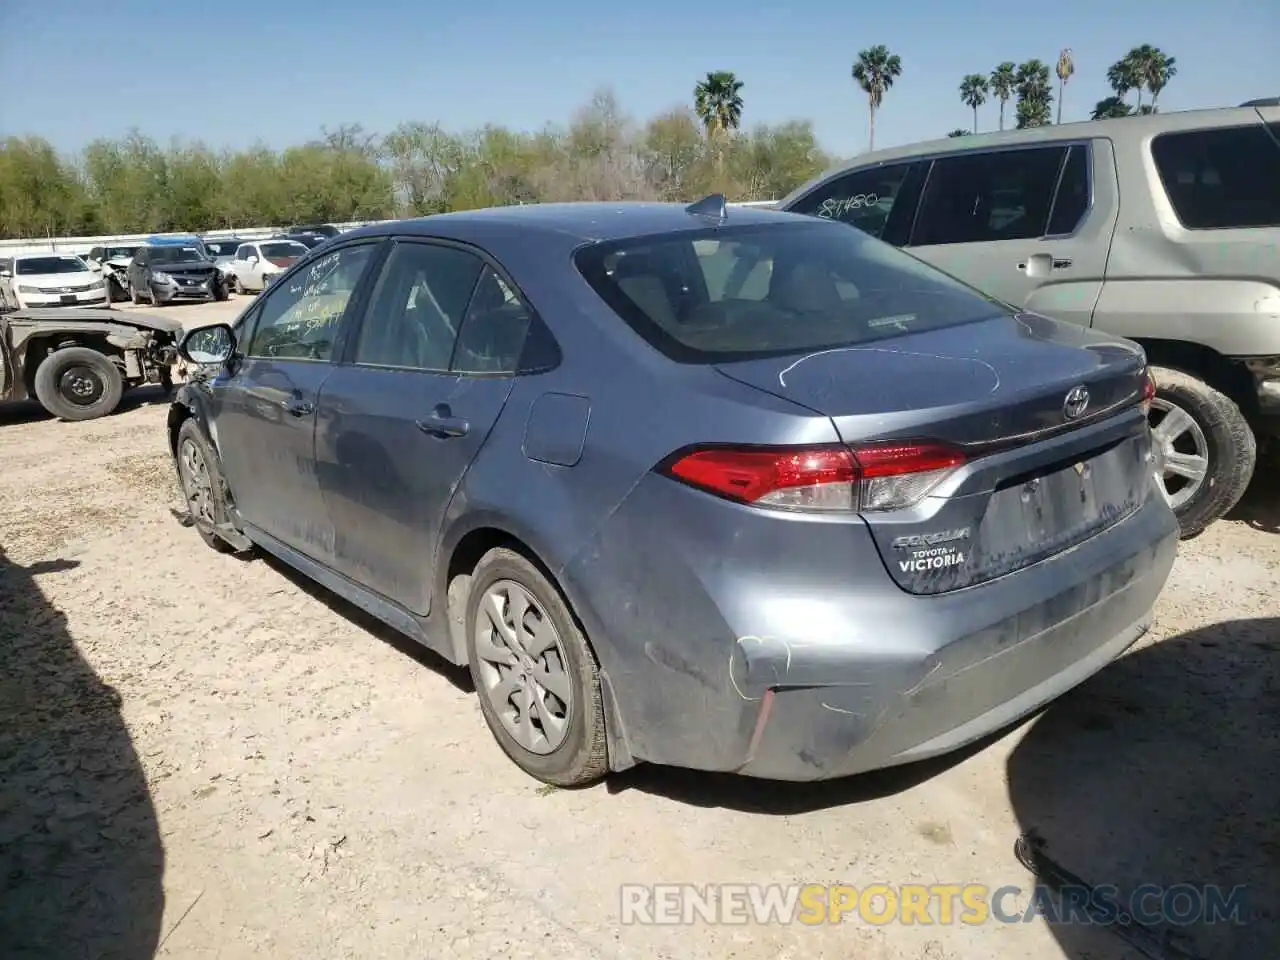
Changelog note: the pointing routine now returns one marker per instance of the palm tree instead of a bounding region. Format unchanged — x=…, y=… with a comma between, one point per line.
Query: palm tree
x=1125, y=75
x=1066, y=67
x=973, y=94
x=1004, y=79
x=1158, y=68
x=875, y=70
x=1034, y=96
x=717, y=100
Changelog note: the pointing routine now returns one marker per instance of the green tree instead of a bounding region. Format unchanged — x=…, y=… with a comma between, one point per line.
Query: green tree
x=1156, y=69
x=973, y=94
x=1004, y=83
x=958, y=133
x=1066, y=67
x=1110, y=108
x=1035, y=99
x=717, y=100
x=875, y=70
x=1125, y=75
x=133, y=185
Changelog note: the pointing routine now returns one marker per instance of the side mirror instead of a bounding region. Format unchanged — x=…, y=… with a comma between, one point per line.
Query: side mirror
x=5, y=273
x=208, y=345
x=252, y=258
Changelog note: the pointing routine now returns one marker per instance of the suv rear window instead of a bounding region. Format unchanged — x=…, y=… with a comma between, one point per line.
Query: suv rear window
x=736, y=293
x=1218, y=179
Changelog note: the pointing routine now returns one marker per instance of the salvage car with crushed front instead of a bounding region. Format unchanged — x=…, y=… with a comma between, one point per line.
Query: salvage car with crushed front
x=78, y=363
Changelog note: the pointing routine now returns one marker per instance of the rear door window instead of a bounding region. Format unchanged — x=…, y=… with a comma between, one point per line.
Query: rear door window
x=1219, y=179
x=873, y=200
x=983, y=197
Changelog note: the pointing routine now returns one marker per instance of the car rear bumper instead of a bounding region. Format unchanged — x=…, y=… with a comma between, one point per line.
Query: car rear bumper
x=752, y=650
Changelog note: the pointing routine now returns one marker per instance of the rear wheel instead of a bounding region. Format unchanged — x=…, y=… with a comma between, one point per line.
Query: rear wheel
x=536, y=677
x=1205, y=447
x=78, y=383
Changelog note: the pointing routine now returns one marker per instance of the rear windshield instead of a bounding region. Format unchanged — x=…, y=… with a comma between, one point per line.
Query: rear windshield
x=222, y=248
x=737, y=293
x=113, y=253
x=34, y=265
x=283, y=249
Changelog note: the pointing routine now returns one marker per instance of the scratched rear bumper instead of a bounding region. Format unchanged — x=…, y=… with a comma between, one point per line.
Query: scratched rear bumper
x=740, y=643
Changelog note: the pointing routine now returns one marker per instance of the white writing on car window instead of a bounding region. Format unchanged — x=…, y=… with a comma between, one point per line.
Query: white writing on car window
x=835, y=208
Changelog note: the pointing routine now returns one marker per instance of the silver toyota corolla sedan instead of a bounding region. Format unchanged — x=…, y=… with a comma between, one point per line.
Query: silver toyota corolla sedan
x=729, y=489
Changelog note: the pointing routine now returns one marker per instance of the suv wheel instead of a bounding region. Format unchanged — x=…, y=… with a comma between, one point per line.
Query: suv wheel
x=536, y=677
x=78, y=383
x=1205, y=447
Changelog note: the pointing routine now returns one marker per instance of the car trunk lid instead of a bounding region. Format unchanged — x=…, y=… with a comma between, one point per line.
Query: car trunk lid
x=1047, y=416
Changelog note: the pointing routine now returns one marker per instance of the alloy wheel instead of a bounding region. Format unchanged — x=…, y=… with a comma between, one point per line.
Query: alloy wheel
x=1182, y=451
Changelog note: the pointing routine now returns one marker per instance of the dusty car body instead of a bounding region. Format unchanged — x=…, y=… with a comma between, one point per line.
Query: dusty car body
x=78, y=363
x=741, y=491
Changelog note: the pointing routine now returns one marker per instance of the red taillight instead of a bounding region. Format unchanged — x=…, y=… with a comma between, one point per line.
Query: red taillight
x=1148, y=389
x=875, y=477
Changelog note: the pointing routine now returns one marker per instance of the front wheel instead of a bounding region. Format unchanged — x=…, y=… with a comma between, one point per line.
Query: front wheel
x=78, y=383
x=536, y=677
x=1205, y=449
x=203, y=487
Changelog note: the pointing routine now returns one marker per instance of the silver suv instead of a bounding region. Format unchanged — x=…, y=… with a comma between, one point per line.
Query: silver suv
x=1163, y=229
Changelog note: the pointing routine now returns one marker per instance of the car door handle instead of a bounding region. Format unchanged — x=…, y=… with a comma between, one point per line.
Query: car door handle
x=443, y=426
x=1057, y=263
x=298, y=408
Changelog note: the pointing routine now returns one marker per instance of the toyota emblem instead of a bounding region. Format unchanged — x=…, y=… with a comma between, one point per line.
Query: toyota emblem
x=1076, y=403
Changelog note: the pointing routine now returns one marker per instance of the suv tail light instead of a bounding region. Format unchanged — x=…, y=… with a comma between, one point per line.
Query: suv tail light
x=884, y=476
x=1148, y=390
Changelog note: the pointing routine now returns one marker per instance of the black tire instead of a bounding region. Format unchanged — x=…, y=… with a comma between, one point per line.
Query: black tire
x=190, y=433
x=220, y=289
x=78, y=383
x=582, y=758
x=1231, y=446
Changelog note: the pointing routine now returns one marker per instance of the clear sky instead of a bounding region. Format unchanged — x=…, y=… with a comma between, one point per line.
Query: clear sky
x=230, y=73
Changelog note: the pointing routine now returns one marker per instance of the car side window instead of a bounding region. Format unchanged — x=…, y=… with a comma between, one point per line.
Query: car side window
x=418, y=307
x=494, y=330
x=864, y=198
x=300, y=316
x=1219, y=179
x=984, y=197
x=1071, y=202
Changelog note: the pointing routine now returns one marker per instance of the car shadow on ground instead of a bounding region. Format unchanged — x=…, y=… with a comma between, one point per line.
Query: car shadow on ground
x=28, y=411
x=81, y=860
x=460, y=677
x=1260, y=506
x=1164, y=769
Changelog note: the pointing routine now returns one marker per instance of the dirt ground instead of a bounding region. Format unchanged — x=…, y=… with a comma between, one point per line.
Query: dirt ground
x=203, y=756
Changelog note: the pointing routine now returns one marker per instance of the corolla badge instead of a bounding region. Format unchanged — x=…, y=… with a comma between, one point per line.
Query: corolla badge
x=1075, y=403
